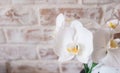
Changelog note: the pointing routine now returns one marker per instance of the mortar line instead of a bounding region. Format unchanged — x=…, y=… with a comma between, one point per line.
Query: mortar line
x=6, y=36
x=37, y=51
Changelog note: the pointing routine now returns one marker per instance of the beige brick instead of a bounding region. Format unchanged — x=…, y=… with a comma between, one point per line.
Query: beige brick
x=17, y=52
x=63, y=1
x=96, y=1
x=17, y=15
x=28, y=1
x=71, y=67
x=81, y=13
x=34, y=35
x=47, y=53
x=48, y=16
x=2, y=36
x=15, y=36
x=30, y=35
x=33, y=67
x=49, y=34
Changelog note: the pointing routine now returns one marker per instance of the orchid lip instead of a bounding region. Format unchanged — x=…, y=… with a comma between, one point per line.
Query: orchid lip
x=113, y=44
x=74, y=50
x=112, y=25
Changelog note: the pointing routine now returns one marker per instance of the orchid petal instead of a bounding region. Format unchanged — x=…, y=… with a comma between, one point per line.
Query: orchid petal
x=101, y=38
x=106, y=69
x=112, y=58
x=85, y=39
x=116, y=22
x=59, y=21
x=113, y=55
x=63, y=39
x=65, y=56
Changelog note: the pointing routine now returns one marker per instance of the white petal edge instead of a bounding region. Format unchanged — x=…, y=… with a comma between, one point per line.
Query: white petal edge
x=112, y=58
x=85, y=38
x=65, y=57
x=59, y=21
x=101, y=39
x=106, y=69
x=63, y=39
x=114, y=21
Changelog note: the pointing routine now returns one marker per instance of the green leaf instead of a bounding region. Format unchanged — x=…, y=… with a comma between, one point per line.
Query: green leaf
x=93, y=65
x=86, y=68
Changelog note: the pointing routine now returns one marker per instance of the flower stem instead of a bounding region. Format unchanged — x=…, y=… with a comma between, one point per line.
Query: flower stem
x=93, y=65
x=86, y=68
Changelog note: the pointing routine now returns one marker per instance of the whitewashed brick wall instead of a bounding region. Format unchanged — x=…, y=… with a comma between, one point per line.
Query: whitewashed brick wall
x=27, y=28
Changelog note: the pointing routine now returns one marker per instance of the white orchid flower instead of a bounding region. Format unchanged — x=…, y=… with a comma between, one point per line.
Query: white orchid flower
x=110, y=63
x=113, y=54
x=114, y=24
x=106, y=69
x=111, y=51
x=72, y=40
x=100, y=40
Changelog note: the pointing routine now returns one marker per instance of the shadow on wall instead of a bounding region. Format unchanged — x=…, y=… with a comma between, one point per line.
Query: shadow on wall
x=27, y=69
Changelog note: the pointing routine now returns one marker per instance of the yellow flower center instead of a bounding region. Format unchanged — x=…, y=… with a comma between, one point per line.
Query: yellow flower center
x=73, y=50
x=111, y=25
x=113, y=44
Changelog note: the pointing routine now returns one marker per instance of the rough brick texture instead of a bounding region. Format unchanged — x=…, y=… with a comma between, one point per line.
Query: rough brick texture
x=48, y=15
x=33, y=67
x=17, y=15
x=27, y=29
x=17, y=52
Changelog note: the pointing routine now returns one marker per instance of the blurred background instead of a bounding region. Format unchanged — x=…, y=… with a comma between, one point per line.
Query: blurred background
x=27, y=32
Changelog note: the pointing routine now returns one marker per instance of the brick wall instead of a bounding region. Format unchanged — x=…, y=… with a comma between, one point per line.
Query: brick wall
x=27, y=28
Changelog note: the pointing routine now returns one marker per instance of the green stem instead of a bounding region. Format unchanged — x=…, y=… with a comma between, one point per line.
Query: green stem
x=93, y=65
x=86, y=68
